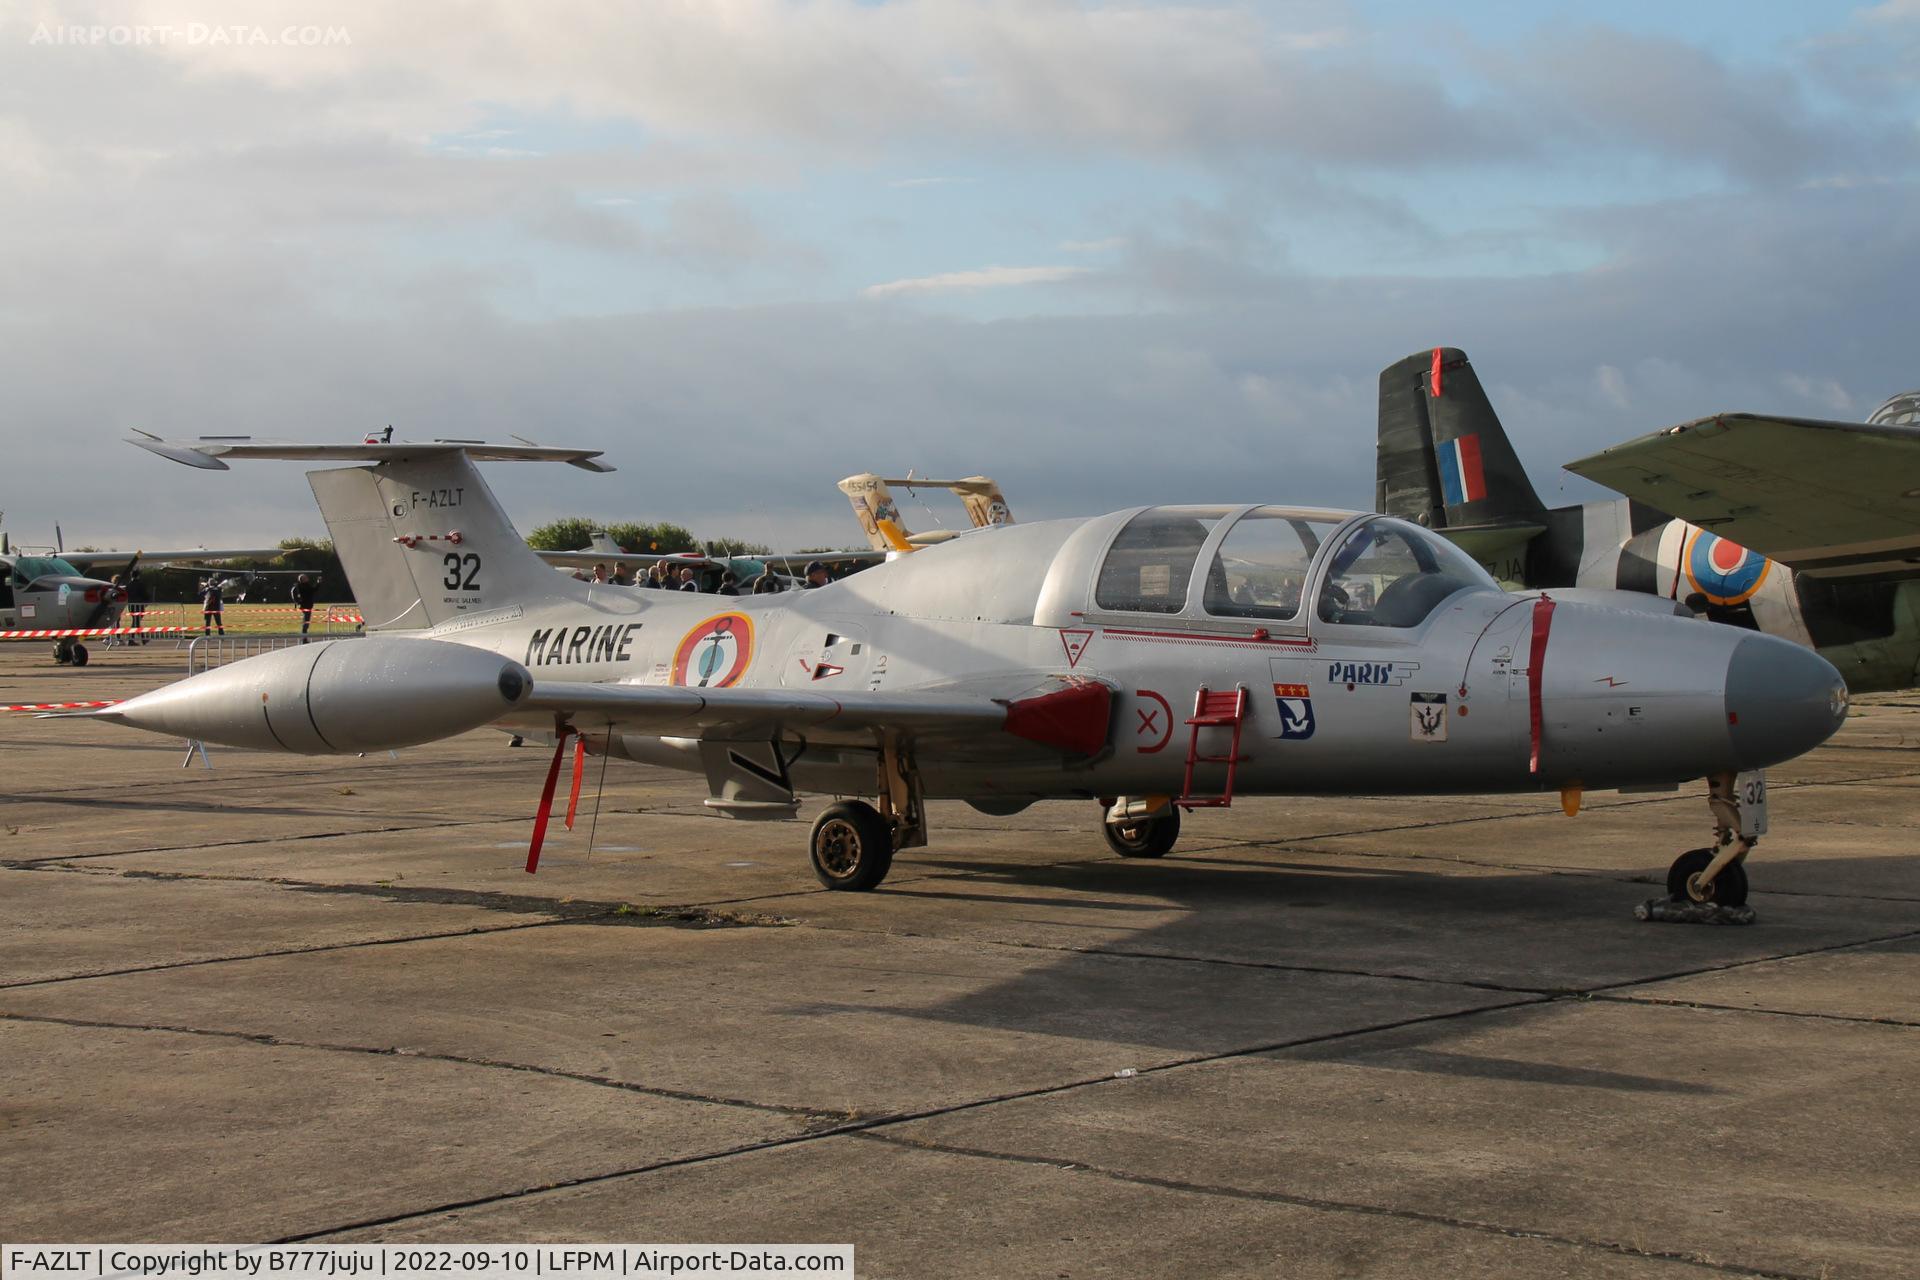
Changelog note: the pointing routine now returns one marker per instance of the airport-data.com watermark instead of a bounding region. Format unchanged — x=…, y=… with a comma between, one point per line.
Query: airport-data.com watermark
x=192, y=35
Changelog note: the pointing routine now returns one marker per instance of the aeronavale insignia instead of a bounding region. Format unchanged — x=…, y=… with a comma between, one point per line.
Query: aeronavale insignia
x=1156, y=659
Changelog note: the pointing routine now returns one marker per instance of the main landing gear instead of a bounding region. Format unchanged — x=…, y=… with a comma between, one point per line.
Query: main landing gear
x=1137, y=828
x=70, y=651
x=853, y=843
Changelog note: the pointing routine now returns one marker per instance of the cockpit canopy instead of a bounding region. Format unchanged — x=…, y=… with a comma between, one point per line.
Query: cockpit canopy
x=30, y=569
x=1266, y=563
x=1902, y=410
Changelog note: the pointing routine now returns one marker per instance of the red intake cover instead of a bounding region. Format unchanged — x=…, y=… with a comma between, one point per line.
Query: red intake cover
x=1072, y=719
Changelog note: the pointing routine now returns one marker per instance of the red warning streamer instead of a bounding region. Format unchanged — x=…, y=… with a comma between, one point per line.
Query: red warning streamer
x=579, y=769
x=546, y=803
x=1536, y=670
x=1433, y=379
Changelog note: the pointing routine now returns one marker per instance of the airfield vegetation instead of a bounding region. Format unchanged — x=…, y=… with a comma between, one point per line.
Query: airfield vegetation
x=300, y=998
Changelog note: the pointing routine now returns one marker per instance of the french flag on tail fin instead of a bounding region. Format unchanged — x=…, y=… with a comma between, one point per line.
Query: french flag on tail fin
x=1461, y=477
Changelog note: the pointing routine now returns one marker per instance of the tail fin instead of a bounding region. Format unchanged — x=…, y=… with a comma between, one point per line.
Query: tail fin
x=874, y=507
x=1444, y=459
x=424, y=542
x=983, y=500
x=602, y=541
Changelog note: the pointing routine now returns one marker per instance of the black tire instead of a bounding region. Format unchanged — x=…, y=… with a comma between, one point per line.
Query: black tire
x=1147, y=838
x=1729, y=888
x=851, y=846
x=79, y=655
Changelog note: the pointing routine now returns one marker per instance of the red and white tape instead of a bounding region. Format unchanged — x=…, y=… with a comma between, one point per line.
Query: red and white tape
x=411, y=540
x=62, y=706
x=79, y=632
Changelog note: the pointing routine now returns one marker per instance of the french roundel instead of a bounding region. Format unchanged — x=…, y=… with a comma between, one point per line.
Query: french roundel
x=714, y=654
x=1724, y=572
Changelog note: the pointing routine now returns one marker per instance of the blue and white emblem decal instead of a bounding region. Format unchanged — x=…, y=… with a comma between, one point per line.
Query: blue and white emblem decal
x=1726, y=573
x=1296, y=711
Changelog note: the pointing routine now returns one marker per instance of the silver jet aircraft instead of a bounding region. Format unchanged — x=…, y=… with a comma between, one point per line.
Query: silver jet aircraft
x=1156, y=659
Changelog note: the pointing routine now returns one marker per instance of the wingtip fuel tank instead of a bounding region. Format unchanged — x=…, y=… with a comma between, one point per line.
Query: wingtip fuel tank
x=336, y=697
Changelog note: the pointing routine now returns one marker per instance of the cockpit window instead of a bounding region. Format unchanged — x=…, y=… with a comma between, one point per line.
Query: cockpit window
x=1149, y=565
x=1387, y=573
x=1261, y=567
x=29, y=568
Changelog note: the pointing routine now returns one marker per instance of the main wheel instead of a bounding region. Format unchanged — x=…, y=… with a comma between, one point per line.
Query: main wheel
x=62, y=654
x=851, y=846
x=79, y=655
x=1147, y=838
x=1729, y=888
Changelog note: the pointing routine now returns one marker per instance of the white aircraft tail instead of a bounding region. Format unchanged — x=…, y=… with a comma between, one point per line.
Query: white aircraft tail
x=874, y=508
x=983, y=500
x=421, y=536
x=879, y=514
x=425, y=541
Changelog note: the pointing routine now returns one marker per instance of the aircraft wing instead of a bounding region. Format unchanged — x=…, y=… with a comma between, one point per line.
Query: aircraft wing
x=794, y=562
x=84, y=560
x=1837, y=499
x=789, y=564
x=1066, y=715
x=588, y=559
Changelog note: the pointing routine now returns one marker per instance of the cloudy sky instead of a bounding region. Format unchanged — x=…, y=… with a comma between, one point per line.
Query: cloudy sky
x=1107, y=253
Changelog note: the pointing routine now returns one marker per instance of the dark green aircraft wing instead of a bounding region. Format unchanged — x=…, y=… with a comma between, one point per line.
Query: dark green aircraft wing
x=1838, y=499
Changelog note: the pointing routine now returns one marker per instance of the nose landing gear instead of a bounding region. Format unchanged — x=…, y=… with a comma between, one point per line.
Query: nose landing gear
x=1136, y=828
x=1709, y=886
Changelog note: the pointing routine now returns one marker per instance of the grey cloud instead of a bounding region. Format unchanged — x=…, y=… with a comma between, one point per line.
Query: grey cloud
x=1609, y=90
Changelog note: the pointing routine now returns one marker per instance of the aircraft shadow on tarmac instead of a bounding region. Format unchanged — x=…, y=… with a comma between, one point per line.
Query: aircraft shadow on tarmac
x=1258, y=954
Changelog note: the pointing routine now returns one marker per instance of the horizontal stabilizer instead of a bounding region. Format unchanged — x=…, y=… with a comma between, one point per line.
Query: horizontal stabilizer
x=209, y=453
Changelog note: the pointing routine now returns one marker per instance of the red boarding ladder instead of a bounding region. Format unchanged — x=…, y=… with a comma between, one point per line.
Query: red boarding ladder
x=1214, y=711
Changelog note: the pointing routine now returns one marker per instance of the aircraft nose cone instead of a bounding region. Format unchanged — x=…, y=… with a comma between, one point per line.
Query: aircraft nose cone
x=1782, y=701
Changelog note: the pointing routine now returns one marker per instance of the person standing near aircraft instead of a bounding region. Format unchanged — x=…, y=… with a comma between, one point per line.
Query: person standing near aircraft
x=687, y=581
x=767, y=583
x=137, y=598
x=817, y=575
x=304, y=593
x=729, y=584
x=210, y=608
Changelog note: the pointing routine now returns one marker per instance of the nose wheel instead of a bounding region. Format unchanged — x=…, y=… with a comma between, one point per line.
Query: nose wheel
x=70, y=651
x=1727, y=889
x=1144, y=837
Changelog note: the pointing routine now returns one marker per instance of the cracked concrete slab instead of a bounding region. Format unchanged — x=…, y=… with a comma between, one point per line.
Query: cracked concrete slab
x=915, y=1212
x=1720, y=1136
x=833, y=1022
x=146, y=1135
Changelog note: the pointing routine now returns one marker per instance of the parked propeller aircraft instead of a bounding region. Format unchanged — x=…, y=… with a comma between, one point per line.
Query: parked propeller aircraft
x=1831, y=501
x=1320, y=652
x=44, y=594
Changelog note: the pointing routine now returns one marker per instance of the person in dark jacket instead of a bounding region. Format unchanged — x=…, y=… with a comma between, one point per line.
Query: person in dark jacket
x=138, y=597
x=817, y=575
x=210, y=606
x=305, y=592
x=729, y=584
